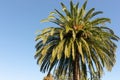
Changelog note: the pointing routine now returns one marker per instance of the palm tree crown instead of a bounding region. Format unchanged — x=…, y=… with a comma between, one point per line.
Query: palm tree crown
x=79, y=38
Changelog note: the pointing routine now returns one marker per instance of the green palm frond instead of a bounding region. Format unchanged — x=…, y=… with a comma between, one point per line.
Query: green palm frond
x=96, y=13
x=100, y=21
x=88, y=15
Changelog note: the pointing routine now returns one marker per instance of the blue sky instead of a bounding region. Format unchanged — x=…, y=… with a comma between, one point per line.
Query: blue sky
x=20, y=19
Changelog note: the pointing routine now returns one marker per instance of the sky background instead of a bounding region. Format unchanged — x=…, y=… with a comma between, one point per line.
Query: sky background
x=19, y=21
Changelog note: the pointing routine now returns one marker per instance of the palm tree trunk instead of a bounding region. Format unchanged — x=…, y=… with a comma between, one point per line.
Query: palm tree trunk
x=76, y=70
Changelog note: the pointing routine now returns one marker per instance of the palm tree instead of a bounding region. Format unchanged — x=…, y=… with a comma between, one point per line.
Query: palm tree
x=79, y=44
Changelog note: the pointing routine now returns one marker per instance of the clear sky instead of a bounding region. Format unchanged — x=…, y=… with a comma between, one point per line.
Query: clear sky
x=20, y=19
